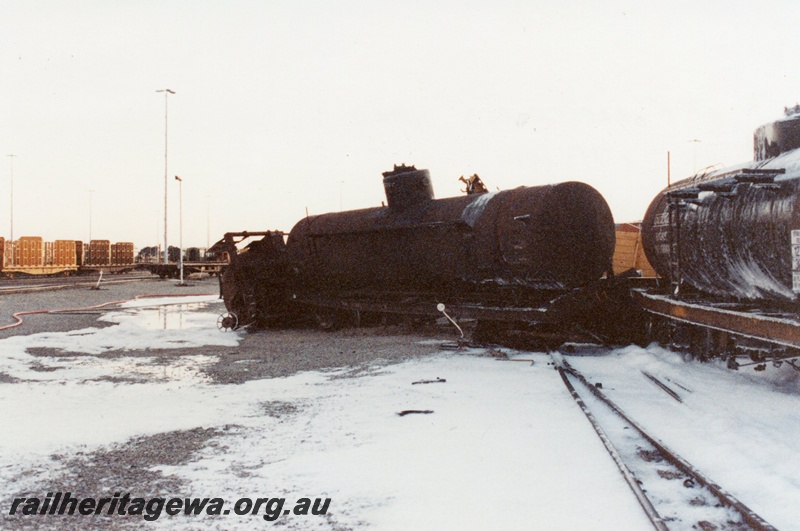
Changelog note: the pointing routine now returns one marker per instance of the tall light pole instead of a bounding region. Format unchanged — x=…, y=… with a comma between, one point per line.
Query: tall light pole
x=208, y=222
x=11, y=199
x=90, y=214
x=180, y=225
x=694, y=153
x=166, y=92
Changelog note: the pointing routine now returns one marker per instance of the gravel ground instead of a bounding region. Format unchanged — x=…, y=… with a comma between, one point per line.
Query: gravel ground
x=121, y=468
x=275, y=353
x=124, y=467
x=260, y=354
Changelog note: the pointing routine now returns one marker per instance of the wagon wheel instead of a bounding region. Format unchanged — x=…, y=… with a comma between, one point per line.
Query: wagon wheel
x=327, y=318
x=336, y=318
x=227, y=321
x=235, y=297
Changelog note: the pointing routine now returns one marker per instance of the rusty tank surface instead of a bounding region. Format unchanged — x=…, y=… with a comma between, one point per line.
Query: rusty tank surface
x=497, y=256
x=543, y=238
x=734, y=233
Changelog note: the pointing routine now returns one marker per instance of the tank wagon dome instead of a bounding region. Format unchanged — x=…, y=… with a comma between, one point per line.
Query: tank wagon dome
x=545, y=237
x=780, y=136
x=406, y=186
x=735, y=232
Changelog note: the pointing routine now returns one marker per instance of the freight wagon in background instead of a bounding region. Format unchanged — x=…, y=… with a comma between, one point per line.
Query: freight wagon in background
x=109, y=256
x=196, y=260
x=31, y=255
x=629, y=257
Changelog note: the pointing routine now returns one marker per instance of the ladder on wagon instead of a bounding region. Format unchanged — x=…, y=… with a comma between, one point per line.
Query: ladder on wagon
x=675, y=204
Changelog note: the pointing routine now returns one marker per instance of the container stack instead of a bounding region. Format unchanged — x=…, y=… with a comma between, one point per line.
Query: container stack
x=99, y=252
x=193, y=254
x=122, y=253
x=33, y=255
x=63, y=253
x=79, y=252
x=30, y=252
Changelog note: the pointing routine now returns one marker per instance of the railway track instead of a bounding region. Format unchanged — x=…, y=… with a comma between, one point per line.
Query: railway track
x=673, y=493
x=31, y=285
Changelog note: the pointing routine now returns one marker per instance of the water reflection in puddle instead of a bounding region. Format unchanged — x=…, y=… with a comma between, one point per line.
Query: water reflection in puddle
x=164, y=341
x=172, y=317
x=188, y=369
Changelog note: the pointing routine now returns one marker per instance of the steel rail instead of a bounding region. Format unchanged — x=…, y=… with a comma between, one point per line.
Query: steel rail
x=749, y=516
x=630, y=479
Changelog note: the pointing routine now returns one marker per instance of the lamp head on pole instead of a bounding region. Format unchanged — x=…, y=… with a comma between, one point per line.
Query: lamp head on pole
x=178, y=179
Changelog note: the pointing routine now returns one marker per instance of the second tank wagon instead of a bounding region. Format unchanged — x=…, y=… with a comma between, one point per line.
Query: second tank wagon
x=734, y=233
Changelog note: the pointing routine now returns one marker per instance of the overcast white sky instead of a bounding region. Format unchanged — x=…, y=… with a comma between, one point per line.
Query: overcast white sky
x=283, y=106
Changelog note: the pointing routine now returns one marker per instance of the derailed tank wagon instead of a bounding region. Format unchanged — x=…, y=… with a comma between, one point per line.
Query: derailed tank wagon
x=539, y=240
x=727, y=246
x=506, y=256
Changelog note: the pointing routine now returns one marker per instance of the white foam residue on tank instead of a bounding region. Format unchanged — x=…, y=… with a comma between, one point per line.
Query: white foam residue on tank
x=702, y=195
x=749, y=275
x=472, y=212
x=789, y=113
x=755, y=282
x=788, y=161
x=767, y=283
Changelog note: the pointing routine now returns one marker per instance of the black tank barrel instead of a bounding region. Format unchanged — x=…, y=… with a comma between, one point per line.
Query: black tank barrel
x=735, y=232
x=556, y=236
